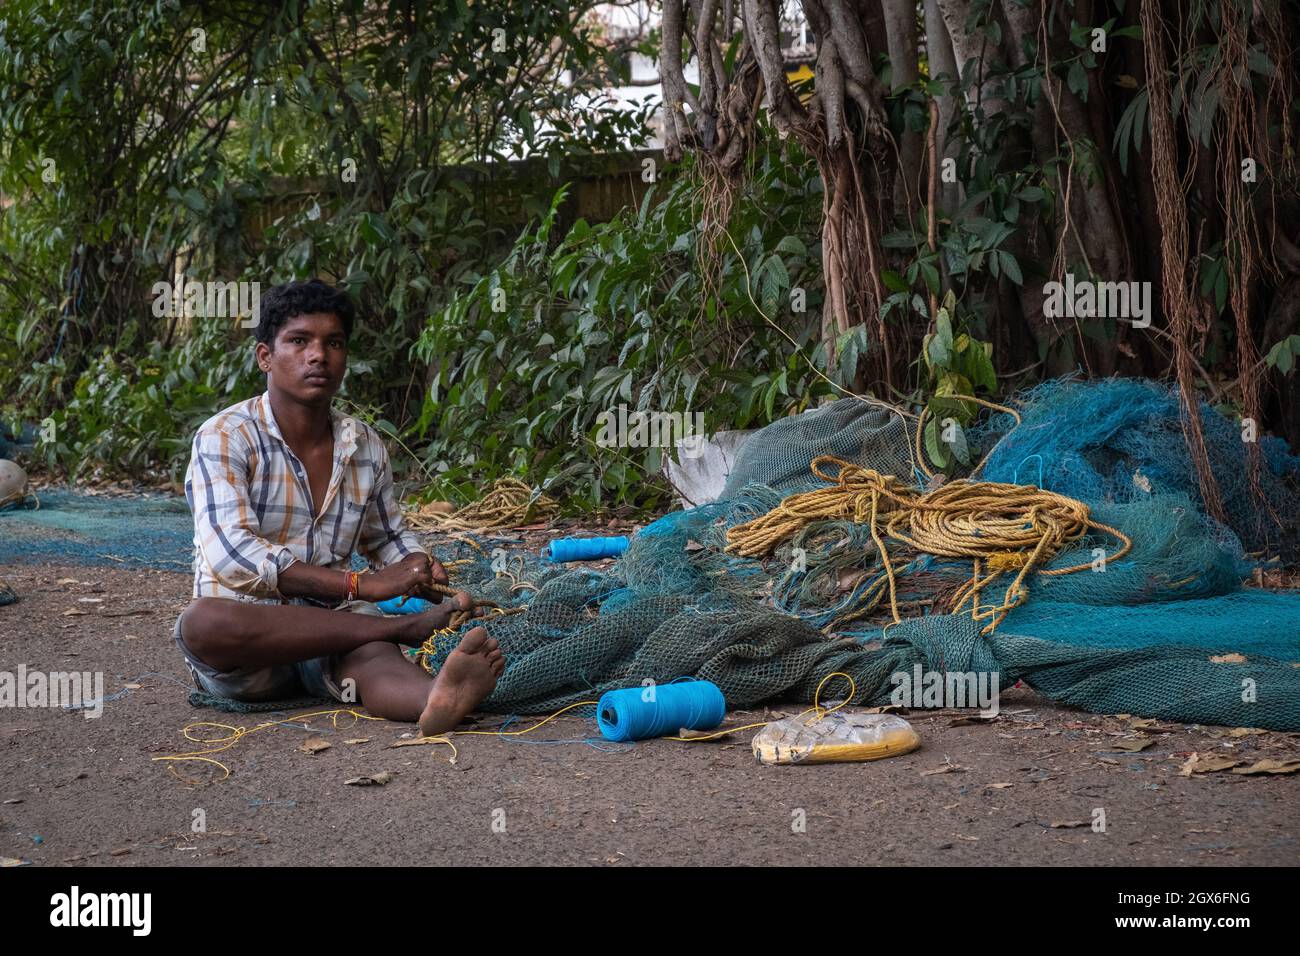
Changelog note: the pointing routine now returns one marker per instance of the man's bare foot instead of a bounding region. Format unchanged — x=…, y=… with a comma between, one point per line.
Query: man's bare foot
x=414, y=629
x=468, y=676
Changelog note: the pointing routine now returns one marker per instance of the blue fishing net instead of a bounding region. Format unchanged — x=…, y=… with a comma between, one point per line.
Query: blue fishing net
x=137, y=531
x=1121, y=440
x=1165, y=631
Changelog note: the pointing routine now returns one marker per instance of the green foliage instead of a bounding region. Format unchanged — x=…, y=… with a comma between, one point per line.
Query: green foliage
x=1284, y=355
x=567, y=327
x=139, y=142
x=957, y=366
x=127, y=415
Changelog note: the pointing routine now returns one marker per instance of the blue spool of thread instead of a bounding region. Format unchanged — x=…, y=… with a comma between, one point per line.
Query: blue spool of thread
x=626, y=715
x=398, y=605
x=584, y=549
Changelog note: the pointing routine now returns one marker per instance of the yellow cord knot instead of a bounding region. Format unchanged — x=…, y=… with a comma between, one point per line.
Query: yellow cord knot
x=1007, y=560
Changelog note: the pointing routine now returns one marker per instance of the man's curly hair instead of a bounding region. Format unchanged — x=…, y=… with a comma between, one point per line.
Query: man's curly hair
x=283, y=302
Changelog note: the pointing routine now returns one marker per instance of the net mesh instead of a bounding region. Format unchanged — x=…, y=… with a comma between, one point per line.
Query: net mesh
x=65, y=527
x=1167, y=631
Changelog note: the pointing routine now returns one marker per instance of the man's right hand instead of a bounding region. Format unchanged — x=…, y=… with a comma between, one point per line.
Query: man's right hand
x=411, y=576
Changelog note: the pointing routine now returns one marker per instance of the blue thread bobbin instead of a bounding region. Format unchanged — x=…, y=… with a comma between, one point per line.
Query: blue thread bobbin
x=627, y=715
x=404, y=605
x=584, y=549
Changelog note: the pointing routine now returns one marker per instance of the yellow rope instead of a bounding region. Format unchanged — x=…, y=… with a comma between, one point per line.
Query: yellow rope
x=508, y=504
x=1009, y=527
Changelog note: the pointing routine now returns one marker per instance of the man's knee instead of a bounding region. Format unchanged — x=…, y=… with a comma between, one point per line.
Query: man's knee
x=203, y=623
x=369, y=654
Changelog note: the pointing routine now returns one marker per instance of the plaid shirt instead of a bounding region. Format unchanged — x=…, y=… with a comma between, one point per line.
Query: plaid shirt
x=253, y=510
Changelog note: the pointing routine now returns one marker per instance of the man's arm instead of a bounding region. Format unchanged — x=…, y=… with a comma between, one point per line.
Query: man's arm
x=386, y=541
x=226, y=530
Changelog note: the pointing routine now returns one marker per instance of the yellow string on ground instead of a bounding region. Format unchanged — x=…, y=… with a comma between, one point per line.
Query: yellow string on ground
x=239, y=733
x=508, y=504
x=1008, y=527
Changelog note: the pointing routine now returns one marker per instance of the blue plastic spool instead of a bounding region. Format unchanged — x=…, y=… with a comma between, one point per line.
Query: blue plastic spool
x=584, y=549
x=640, y=713
x=410, y=605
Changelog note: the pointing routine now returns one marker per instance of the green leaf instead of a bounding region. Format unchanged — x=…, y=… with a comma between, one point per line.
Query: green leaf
x=935, y=449
x=893, y=281
x=1011, y=267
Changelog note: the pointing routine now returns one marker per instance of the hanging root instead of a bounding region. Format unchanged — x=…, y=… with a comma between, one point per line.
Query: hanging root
x=1183, y=312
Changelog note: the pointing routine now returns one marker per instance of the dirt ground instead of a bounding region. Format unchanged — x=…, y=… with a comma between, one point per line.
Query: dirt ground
x=1022, y=789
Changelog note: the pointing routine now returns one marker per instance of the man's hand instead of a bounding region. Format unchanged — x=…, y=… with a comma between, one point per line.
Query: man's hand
x=413, y=576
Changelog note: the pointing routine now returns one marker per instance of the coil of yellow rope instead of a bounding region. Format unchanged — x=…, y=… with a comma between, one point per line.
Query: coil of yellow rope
x=1009, y=527
x=508, y=504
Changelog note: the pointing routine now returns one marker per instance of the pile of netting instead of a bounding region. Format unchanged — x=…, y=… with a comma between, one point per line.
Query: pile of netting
x=1135, y=607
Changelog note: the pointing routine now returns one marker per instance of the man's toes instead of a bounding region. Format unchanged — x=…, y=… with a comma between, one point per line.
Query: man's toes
x=462, y=600
x=499, y=666
x=474, y=641
x=491, y=645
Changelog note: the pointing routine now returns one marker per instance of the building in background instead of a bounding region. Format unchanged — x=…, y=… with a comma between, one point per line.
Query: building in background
x=629, y=26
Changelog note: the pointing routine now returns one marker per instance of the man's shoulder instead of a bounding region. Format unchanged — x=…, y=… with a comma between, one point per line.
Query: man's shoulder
x=237, y=419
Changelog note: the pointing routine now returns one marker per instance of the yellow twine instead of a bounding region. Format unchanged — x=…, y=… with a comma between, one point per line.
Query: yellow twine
x=1011, y=527
x=239, y=733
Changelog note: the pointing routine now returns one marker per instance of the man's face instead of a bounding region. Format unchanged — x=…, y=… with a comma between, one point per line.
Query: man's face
x=309, y=358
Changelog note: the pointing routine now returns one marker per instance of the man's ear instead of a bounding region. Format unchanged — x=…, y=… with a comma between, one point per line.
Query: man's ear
x=263, y=353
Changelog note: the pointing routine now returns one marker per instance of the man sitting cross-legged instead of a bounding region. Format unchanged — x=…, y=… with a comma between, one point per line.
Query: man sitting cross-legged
x=283, y=489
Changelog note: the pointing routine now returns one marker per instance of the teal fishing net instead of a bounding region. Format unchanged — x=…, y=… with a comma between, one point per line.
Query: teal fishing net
x=66, y=527
x=1166, y=631
x=867, y=434
x=1121, y=440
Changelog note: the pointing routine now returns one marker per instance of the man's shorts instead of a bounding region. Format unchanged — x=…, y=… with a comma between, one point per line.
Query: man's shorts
x=311, y=678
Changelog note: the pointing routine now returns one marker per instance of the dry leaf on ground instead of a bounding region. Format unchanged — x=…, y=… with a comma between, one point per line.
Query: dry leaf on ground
x=370, y=780
x=1206, y=763
x=1269, y=766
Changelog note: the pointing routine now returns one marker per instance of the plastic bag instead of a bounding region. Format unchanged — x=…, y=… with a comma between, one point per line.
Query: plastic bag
x=834, y=738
